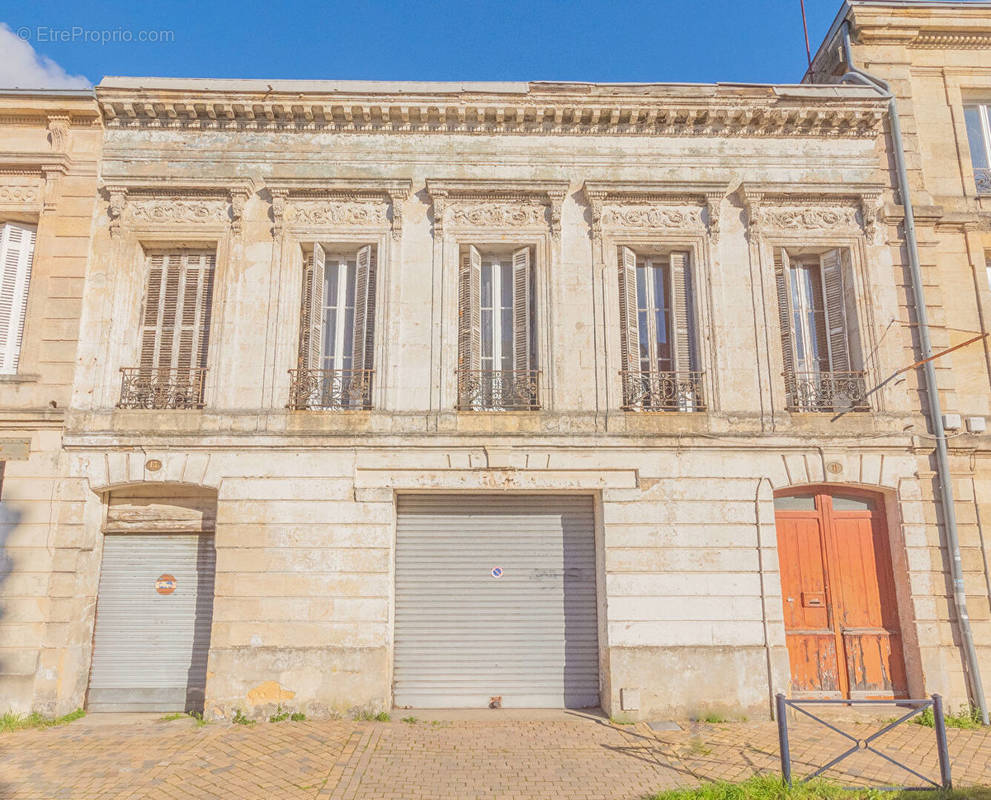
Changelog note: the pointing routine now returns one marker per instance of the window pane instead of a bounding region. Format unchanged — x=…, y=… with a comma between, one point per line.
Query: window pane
x=486, y=286
x=348, y=343
x=507, y=284
x=644, y=334
x=506, y=329
x=848, y=503
x=975, y=136
x=486, y=333
x=796, y=502
x=330, y=284
x=641, y=289
x=329, y=338
x=350, y=272
x=660, y=293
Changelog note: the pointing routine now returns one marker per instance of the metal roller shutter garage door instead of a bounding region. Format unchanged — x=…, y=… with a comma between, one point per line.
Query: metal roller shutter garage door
x=495, y=597
x=150, y=646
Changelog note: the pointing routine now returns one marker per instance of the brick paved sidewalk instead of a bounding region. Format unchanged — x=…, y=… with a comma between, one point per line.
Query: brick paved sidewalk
x=582, y=758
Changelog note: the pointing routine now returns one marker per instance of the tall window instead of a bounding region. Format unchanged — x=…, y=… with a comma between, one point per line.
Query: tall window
x=819, y=331
x=496, y=363
x=979, y=137
x=337, y=331
x=175, y=332
x=658, y=331
x=16, y=255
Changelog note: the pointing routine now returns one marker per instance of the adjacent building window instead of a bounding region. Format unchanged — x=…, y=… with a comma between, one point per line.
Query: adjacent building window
x=16, y=255
x=979, y=137
x=496, y=352
x=337, y=330
x=819, y=331
x=175, y=332
x=658, y=332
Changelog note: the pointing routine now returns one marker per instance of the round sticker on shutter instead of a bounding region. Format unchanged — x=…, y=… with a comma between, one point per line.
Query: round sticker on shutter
x=496, y=572
x=165, y=584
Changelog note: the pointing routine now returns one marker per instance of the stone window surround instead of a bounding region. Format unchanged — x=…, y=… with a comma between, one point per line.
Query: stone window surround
x=146, y=214
x=30, y=186
x=492, y=212
x=339, y=211
x=655, y=215
x=793, y=216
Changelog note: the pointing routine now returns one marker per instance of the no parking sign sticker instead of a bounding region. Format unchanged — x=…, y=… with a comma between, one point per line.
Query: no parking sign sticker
x=496, y=572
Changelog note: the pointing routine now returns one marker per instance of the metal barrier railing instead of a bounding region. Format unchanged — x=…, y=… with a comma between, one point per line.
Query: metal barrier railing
x=865, y=744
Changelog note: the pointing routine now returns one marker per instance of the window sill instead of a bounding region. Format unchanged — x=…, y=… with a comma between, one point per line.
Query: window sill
x=20, y=378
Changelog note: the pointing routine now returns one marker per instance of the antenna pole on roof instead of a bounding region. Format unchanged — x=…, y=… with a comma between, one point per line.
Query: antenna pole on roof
x=805, y=27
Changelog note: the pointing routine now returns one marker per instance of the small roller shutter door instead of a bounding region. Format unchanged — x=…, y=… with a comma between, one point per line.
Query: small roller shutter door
x=495, y=598
x=149, y=648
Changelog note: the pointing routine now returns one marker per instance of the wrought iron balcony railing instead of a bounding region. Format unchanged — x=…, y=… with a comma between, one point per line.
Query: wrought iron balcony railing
x=826, y=391
x=646, y=390
x=498, y=390
x=982, y=177
x=144, y=387
x=330, y=389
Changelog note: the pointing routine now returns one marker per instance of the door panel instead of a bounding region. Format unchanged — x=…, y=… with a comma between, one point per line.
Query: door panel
x=840, y=612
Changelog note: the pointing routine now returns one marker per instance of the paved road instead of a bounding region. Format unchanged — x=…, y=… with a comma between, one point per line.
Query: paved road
x=579, y=757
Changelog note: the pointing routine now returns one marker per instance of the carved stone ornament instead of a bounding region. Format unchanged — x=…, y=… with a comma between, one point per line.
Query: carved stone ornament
x=58, y=133
x=336, y=212
x=175, y=210
x=239, y=198
x=811, y=218
x=115, y=211
x=20, y=195
x=653, y=217
x=499, y=214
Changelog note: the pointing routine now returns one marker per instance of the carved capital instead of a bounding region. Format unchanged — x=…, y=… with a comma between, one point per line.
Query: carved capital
x=713, y=202
x=397, y=199
x=440, y=209
x=870, y=212
x=58, y=132
x=596, y=204
x=556, y=199
x=238, y=198
x=279, y=200
x=115, y=210
x=755, y=215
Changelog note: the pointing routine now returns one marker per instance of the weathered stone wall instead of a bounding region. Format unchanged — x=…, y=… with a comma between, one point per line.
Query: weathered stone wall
x=49, y=152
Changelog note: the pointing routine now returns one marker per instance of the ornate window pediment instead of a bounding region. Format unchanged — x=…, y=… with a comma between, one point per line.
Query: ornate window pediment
x=144, y=204
x=348, y=202
x=478, y=204
x=30, y=182
x=840, y=210
x=655, y=206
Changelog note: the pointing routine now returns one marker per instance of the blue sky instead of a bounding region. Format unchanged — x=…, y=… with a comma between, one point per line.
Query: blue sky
x=622, y=40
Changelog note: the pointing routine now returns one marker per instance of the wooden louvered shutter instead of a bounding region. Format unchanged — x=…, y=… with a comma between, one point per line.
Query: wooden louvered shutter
x=364, y=310
x=683, y=312
x=629, y=327
x=175, y=330
x=470, y=311
x=834, y=300
x=782, y=280
x=311, y=311
x=16, y=254
x=521, y=309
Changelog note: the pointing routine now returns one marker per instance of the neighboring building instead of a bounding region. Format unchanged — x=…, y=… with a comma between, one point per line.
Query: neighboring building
x=937, y=60
x=540, y=394
x=49, y=154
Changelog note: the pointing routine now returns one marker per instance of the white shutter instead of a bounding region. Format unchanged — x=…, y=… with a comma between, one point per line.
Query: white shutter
x=364, y=309
x=682, y=309
x=521, y=309
x=311, y=311
x=834, y=300
x=470, y=311
x=782, y=279
x=629, y=328
x=16, y=254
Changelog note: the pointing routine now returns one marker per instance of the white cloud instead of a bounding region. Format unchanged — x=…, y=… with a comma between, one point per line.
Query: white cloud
x=22, y=68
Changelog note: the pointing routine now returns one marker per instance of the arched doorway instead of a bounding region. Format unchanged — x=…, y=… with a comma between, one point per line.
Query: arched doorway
x=840, y=612
x=155, y=604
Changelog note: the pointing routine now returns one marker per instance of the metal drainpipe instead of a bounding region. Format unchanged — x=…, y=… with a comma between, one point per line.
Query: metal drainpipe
x=932, y=390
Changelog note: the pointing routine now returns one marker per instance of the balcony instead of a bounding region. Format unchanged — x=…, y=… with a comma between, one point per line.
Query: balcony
x=982, y=177
x=651, y=390
x=826, y=391
x=498, y=390
x=330, y=389
x=143, y=387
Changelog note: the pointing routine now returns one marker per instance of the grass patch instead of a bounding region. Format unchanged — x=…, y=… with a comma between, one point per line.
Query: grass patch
x=368, y=716
x=282, y=714
x=968, y=718
x=769, y=787
x=240, y=719
x=410, y=720
x=175, y=716
x=11, y=721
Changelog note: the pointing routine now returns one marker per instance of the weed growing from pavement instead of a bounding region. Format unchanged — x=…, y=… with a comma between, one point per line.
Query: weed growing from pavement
x=769, y=787
x=240, y=719
x=282, y=714
x=368, y=716
x=12, y=721
x=410, y=720
x=968, y=718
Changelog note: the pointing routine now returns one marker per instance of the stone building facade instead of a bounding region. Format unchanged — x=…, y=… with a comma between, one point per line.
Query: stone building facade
x=935, y=58
x=488, y=394
x=49, y=157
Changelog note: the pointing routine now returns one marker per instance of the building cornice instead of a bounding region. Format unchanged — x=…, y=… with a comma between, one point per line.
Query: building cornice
x=585, y=109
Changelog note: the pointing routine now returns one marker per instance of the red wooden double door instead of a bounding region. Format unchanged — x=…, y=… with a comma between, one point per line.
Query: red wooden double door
x=840, y=612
